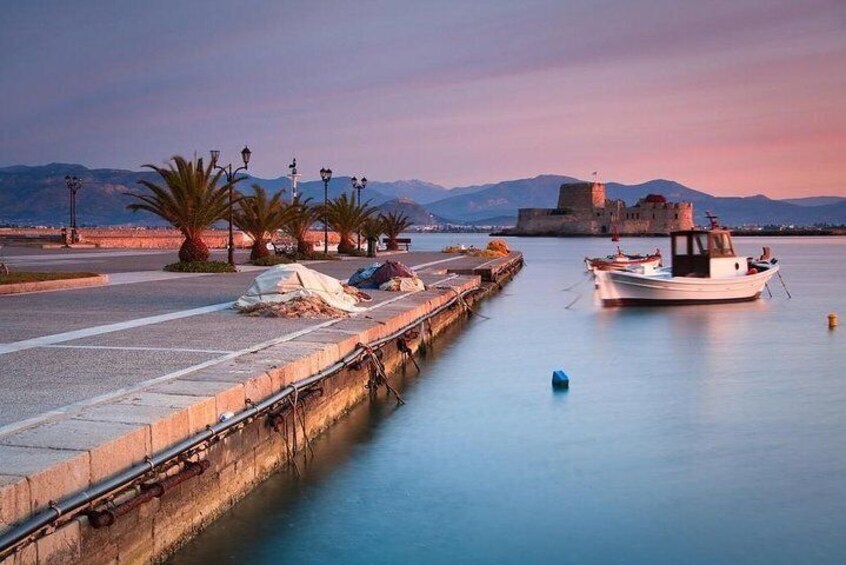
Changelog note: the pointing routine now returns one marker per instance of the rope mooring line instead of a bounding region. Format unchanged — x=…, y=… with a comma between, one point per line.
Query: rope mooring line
x=378, y=375
x=783, y=284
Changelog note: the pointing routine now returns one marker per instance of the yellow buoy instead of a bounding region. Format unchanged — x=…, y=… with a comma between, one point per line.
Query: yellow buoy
x=832, y=321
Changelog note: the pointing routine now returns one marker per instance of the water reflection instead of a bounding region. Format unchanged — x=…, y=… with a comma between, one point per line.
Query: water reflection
x=693, y=434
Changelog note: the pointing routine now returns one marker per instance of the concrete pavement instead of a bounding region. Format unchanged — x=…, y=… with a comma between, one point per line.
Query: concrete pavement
x=66, y=347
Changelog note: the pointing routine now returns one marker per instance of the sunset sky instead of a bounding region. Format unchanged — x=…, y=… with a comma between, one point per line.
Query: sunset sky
x=731, y=97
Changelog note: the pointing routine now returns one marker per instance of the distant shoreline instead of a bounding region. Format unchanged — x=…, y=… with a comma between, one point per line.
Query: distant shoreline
x=839, y=232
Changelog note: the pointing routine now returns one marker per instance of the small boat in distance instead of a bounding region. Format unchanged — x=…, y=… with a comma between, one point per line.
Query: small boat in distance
x=622, y=261
x=705, y=270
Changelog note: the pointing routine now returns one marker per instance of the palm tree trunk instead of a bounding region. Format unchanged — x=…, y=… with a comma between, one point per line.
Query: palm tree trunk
x=346, y=244
x=304, y=246
x=193, y=249
x=259, y=250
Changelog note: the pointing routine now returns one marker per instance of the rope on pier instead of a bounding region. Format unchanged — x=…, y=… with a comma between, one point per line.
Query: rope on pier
x=463, y=302
x=378, y=376
x=294, y=413
x=405, y=349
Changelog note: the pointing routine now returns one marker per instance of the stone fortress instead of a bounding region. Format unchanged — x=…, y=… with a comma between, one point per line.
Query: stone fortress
x=583, y=209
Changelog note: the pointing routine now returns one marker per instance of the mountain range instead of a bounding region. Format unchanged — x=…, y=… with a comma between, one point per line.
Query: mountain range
x=37, y=196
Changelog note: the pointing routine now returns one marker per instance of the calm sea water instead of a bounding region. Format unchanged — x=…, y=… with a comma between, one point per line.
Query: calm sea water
x=703, y=434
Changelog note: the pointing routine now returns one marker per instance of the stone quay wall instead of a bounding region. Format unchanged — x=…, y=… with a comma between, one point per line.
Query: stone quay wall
x=135, y=238
x=237, y=462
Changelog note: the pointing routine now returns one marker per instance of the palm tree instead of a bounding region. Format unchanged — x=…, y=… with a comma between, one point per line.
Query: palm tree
x=346, y=217
x=301, y=218
x=393, y=224
x=373, y=227
x=190, y=199
x=260, y=217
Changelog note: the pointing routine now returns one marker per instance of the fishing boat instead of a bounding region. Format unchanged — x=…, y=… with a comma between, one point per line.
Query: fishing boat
x=622, y=261
x=705, y=270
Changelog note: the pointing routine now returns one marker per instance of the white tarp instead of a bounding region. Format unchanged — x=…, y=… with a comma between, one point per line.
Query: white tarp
x=284, y=283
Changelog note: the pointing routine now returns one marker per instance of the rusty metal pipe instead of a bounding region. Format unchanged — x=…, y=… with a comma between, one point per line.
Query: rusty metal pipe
x=107, y=516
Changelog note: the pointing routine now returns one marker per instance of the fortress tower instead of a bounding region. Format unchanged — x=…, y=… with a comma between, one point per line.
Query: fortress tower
x=581, y=196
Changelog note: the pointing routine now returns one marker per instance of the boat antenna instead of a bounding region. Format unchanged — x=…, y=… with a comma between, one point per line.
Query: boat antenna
x=715, y=223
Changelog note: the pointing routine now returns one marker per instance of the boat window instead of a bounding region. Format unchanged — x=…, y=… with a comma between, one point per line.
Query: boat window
x=680, y=247
x=700, y=244
x=721, y=245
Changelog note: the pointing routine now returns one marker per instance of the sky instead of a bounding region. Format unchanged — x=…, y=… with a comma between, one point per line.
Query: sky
x=735, y=97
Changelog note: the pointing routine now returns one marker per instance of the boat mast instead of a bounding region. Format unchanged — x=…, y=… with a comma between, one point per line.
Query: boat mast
x=714, y=221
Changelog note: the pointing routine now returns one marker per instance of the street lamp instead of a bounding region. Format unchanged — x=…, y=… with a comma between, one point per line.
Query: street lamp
x=230, y=178
x=326, y=176
x=74, y=184
x=358, y=185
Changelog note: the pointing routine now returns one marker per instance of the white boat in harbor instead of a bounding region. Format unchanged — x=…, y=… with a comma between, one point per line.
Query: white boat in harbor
x=705, y=270
x=622, y=261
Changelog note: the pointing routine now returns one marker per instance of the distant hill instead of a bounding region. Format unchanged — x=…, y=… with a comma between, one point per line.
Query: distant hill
x=735, y=211
x=419, y=191
x=376, y=192
x=815, y=200
x=674, y=191
x=500, y=199
x=419, y=215
x=38, y=196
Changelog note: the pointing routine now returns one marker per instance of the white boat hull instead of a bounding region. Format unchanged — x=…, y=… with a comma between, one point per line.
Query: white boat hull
x=619, y=288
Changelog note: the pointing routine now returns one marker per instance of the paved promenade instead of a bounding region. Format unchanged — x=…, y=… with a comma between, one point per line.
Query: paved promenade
x=63, y=350
x=106, y=382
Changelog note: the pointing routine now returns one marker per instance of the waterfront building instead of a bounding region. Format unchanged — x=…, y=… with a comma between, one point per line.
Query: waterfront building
x=583, y=209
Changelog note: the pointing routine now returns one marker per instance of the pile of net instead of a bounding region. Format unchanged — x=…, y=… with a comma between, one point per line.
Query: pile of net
x=305, y=307
x=495, y=248
x=390, y=275
x=295, y=291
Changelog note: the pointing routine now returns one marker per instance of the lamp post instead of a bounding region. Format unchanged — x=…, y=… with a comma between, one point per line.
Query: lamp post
x=74, y=184
x=358, y=185
x=230, y=178
x=325, y=176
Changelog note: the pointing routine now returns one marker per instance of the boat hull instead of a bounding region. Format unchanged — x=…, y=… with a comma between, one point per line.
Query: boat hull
x=617, y=288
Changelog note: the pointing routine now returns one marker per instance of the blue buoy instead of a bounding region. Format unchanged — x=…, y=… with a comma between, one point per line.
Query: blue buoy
x=560, y=379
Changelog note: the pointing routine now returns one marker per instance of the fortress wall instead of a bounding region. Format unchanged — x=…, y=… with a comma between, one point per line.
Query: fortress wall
x=583, y=210
x=556, y=224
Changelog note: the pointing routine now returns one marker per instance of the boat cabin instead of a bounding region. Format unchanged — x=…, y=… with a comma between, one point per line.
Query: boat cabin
x=705, y=254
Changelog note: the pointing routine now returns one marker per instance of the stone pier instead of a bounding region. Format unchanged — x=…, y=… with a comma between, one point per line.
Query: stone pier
x=82, y=405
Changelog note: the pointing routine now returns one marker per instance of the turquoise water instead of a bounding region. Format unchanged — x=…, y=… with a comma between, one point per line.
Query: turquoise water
x=703, y=434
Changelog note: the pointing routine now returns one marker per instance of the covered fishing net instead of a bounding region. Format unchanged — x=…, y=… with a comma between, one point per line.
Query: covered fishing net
x=304, y=307
x=390, y=275
x=285, y=284
x=362, y=276
x=495, y=248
